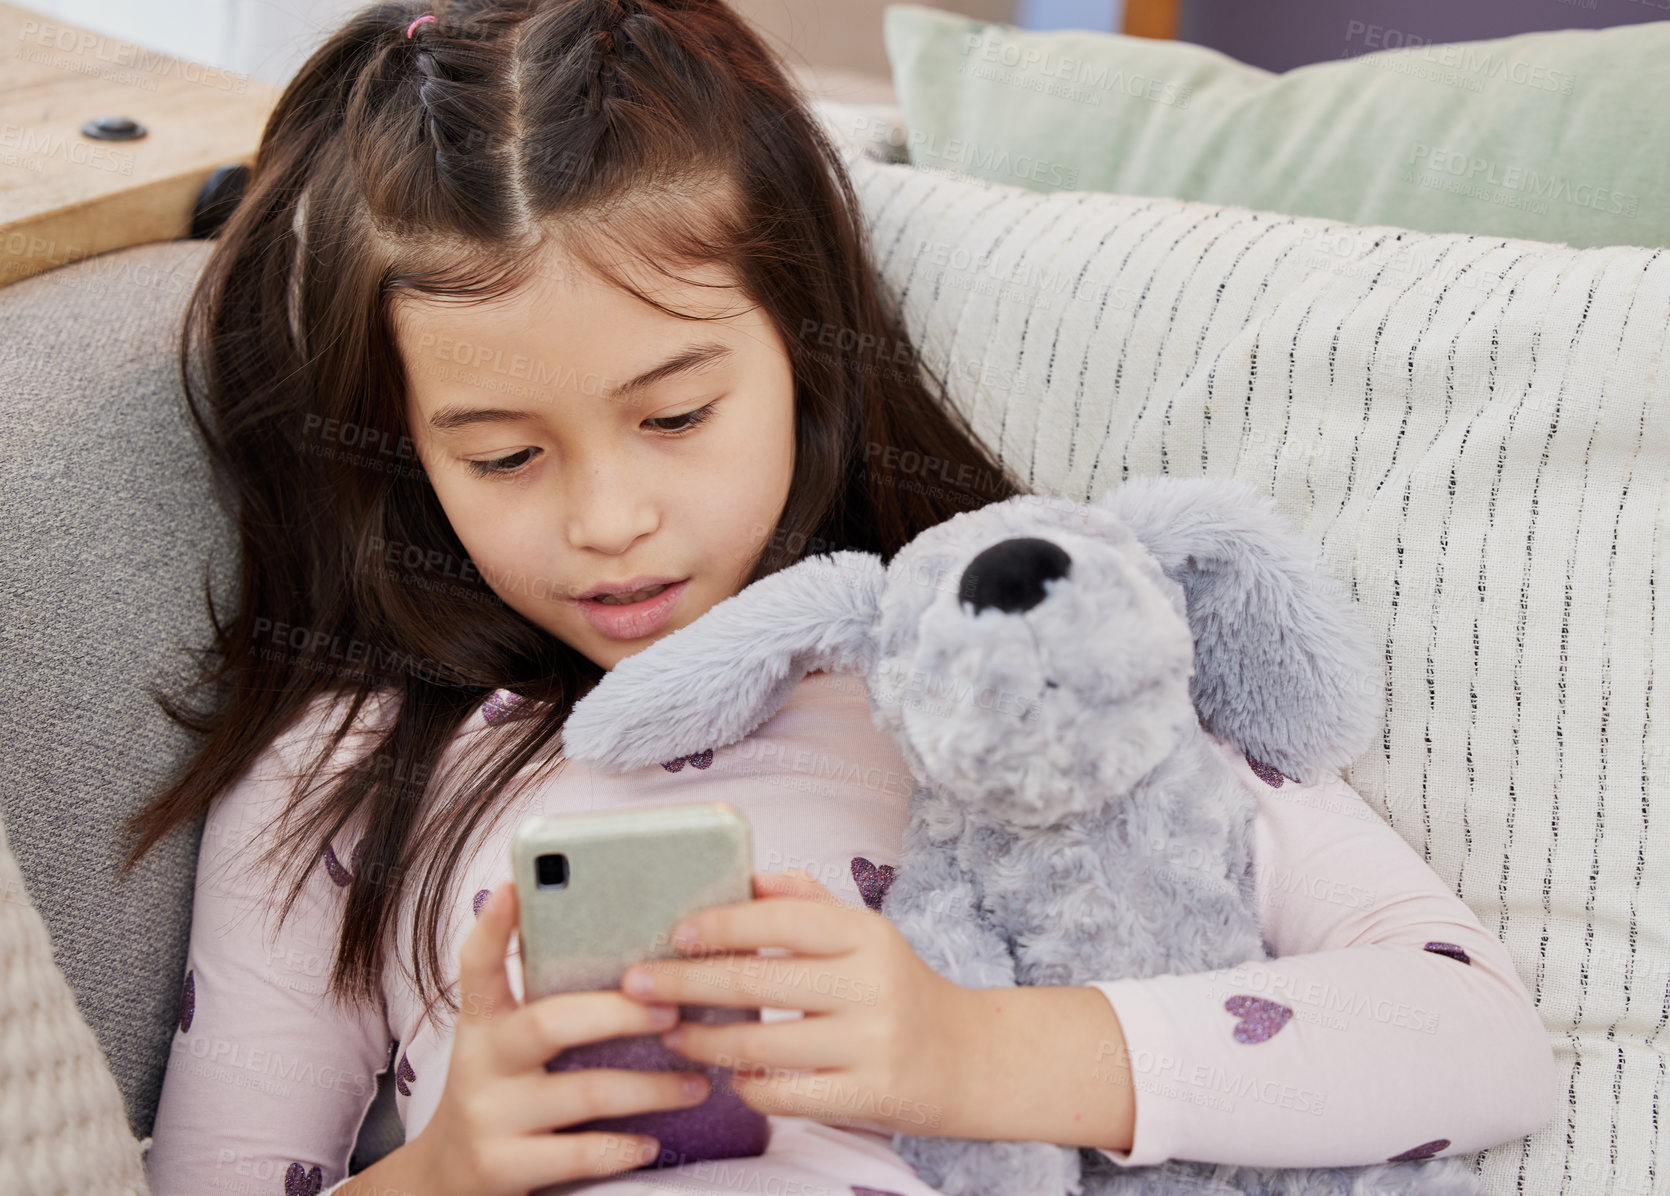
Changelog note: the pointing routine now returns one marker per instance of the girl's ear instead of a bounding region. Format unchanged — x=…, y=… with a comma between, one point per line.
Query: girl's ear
x=1283, y=665
x=713, y=681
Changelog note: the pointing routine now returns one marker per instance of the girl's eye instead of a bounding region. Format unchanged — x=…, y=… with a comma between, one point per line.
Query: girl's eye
x=692, y=418
x=507, y=466
x=501, y=465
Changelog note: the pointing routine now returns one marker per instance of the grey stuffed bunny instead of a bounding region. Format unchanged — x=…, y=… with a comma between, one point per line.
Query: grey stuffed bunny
x=1051, y=672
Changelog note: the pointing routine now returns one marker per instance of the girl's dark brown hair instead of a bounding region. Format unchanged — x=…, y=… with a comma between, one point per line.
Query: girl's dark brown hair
x=434, y=166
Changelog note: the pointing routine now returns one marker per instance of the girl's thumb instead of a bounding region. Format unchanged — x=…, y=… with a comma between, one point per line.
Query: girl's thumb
x=483, y=983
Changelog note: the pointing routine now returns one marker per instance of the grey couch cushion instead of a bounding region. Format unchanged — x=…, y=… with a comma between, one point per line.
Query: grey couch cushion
x=109, y=521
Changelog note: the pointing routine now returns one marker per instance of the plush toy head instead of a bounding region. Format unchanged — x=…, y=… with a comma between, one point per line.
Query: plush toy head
x=1030, y=657
x=1018, y=651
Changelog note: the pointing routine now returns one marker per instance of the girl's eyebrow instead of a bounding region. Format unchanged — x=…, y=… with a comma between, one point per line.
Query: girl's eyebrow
x=686, y=360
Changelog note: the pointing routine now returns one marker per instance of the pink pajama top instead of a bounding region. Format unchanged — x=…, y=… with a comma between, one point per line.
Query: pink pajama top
x=1392, y=1024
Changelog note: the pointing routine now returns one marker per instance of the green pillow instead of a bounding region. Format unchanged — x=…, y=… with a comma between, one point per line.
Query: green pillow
x=1557, y=136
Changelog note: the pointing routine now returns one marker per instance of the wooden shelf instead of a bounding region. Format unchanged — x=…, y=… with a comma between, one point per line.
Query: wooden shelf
x=65, y=196
x=1152, y=18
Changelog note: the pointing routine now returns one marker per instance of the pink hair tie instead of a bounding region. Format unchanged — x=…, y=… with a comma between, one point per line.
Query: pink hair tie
x=418, y=22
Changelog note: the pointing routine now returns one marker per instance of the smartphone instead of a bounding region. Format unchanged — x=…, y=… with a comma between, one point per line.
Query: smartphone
x=601, y=891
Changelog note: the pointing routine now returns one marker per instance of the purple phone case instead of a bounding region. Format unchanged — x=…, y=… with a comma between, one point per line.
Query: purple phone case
x=721, y=1127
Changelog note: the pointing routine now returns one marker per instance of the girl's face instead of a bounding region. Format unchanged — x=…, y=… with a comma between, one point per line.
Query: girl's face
x=577, y=437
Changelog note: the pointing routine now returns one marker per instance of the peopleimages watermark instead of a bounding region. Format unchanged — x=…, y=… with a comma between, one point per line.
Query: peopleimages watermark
x=1195, y=863
x=1019, y=277
x=1317, y=999
x=1205, y=1083
x=1514, y=185
x=769, y=978
x=992, y=160
x=65, y=62
x=941, y=696
x=771, y=758
x=86, y=47
x=1349, y=252
x=913, y=463
x=493, y=360
x=1013, y=63
x=855, y=1102
x=316, y=648
x=1467, y=65
x=271, y=1071
x=50, y=144
x=100, y=271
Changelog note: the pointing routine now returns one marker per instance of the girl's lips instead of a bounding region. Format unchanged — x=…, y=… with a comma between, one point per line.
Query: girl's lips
x=633, y=620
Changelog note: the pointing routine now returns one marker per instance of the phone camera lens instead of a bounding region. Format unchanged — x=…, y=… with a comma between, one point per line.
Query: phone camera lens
x=551, y=870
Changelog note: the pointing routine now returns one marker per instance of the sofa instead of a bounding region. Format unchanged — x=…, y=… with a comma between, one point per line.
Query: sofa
x=1473, y=427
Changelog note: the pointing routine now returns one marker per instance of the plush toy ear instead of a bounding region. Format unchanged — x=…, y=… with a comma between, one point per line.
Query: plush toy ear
x=1283, y=666
x=713, y=681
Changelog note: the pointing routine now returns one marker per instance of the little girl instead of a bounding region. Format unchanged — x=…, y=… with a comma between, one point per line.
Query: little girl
x=546, y=325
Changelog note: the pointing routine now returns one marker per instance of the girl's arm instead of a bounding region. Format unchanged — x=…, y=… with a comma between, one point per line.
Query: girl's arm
x=1391, y=1024
x=267, y=1081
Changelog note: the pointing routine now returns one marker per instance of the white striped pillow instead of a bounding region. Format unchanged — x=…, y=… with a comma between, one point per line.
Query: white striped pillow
x=1476, y=430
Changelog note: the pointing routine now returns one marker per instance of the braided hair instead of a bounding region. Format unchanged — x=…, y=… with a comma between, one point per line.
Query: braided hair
x=468, y=100
x=438, y=159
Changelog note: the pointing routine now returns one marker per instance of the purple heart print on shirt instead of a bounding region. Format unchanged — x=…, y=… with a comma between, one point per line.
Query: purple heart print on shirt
x=404, y=1076
x=861, y=1190
x=872, y=880
x=498, y=706
x=188, y=1002
x=699, y=759
x=333, y=866
x=1270, y=775
x=479, y=900
x=1450, y=949
x=1424, y=1151
x=1260, y=1019
x=303, y=1181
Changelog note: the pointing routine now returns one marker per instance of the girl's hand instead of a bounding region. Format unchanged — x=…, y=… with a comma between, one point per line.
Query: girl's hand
x=883, y=1038
x=491, y=1133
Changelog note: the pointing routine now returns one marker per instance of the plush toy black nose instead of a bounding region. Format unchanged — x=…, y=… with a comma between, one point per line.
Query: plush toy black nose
x=1010, y=575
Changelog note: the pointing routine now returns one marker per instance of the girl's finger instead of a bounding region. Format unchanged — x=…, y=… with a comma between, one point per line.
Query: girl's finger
x=541, y=1102
x=813, y=984
x=483, y=984
x=803, y=925
x=530, y=1162
x=562, y=1099
x=546, y=1026
x=796, y=1043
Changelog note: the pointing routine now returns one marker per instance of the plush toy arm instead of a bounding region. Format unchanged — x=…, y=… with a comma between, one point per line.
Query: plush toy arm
x=939, y=915
x=936, y=906
x=1283, y=664
x=711, y=682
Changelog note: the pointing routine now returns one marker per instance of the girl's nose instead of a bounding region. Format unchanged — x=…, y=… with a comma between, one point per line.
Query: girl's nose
x=611, y=510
